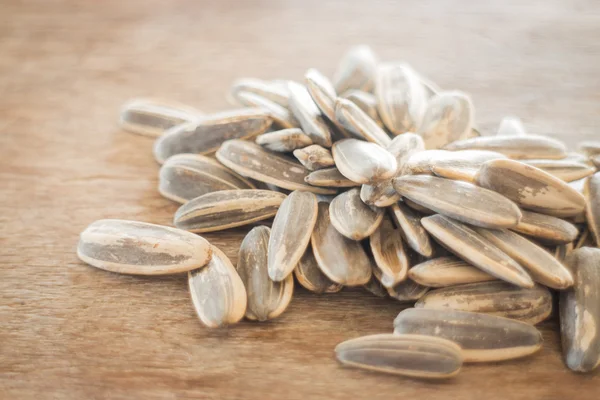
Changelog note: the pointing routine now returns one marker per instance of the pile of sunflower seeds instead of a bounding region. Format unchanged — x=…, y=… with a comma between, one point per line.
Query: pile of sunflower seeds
x=377, y=178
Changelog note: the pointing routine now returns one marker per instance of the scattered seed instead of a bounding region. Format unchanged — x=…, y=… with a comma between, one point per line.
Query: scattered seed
x=309, y=275
x=449, y=117
x=546, y=228
x=353, y=218
x=359, y=123
x=363, y=162
x=447, y=271
x=329, y=177
x=152, y=117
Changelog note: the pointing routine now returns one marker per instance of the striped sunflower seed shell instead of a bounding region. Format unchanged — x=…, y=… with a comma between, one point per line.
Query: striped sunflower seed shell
x=314, y=157
x=412, y=230
x=356, y=70
x=389, y=254
x=546, y=228
x=461, y=165
x=308, y=114
x=277, y=93
x=366, y=102
x=153, y=117
x=353, y=218
x=447, y=271
x=449, y=117
x=359, y=123
x=309, y=275
x=284, y=141
x=329, y=177
x=515, y=147
x=565, y=170
x=281, y=116
x=363, y=162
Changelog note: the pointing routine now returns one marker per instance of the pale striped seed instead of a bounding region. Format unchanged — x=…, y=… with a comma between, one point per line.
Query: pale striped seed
x=329, y=177
x=309, y=275
x=249, y=159
x=363, y=162
x=531, y=188
x=413, y=232
x=461, y=165
x=217, y=292
x=389, y=254
x=314, y=157
x=186, y=176
x=140, y=248
x=546, y=228
x=359, y=123
x=342, y=260
x=284, y=141
x=590, y=147
x=447, y=271
x=416, y=356
x=541, y=265
x=207, y=134
x=420, y=163
x=511, y=126
x=353, y=218
x=272, y=90
x=516, y=147
x=475, y=249
x=308, y=114
x=482, y=338
x=366, y=102
x=401, y=97
x=266, y=299
x=449, y=117
x=417, y=207
x=580, y=312
x=565, y=170
x=460, y=200
x=496, y=298
x=407, y=290
x=591, y=192
x=290, y=236
x=281, y=116
x=375, y=287
x=153, y=117
x=227, y=209
x=356, y=70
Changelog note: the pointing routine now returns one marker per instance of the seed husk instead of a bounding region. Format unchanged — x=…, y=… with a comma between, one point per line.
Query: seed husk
x=482, y=338
x=342, y=260
x=401, y=97
x=460, y=200
x=475, y=249
x=207, y=134
x=153, y=117
x=329, y=177
x=530, y=187
x=285, y=140
x=546, y=228
x=420, y=163
x=416, y=356
x=499, y=298
x=266, y=299
x=323, y=93
x=590, y=147
x=290, y=235
x=461, y=165
x=356, y=70
x=309, y=275
x=363, y=162
x=515, y=147
x=227, y=209
x=511, y=126
x=565, y=170
x=592, y=195
x=353, y=218
x=359, y=123
x=375, y=287
x=366, y=102
x=447, y=271
x=251, y=160
x=308, y=115
x=541, y=265
x=449, y=117
x=272, y=90
x=314, y=157
x=281, y=116
x=413, y=232
x=186, y=176
x=407, y=290
x=217, y=292
x=417, y=207
x=140, y=248
x=389, y=254
x=580, y=312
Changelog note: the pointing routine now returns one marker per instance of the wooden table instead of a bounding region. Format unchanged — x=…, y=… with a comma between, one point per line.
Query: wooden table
x=70, y=331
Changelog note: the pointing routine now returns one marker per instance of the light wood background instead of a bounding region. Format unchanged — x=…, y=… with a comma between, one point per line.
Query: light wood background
x=69, y=331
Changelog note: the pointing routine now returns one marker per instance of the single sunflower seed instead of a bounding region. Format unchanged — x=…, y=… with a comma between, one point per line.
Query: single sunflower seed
x=592, y=195
x=417, y=207
x=412, y=230
x=308, y=114
x=389, y=254
x=546, y=228
x=284, y=141
x=515, y=147
x=356, y=70
x=407, y=290
x=511, y=126
x=366, y=102
x=447, y=271
x=359, y=123
x=271, y=90
x=363, y=162
x=323, y=94
x=309, y=275
x=281, y=116
x=329, y=177
x=421, y=162
x=461, y=165
x=314, y=157
x=353, y=218
x=448, y=117
x=564, y=169
x=152, y=117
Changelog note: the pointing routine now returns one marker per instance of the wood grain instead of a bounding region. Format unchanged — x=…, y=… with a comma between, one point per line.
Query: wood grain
x=70, y=331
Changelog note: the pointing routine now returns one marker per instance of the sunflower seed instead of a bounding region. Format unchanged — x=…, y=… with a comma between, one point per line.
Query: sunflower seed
x=266, y=299
x=290, y=236
x=217, y=292
x=407, y=290
x=417, y=207
x=389, y=254
x=460, y=200
x=353, y=218
x=461, y=165
x=323, y=94
x=314, y=157
x=401, y=97
x=207, y=134
x=366, y=102
x=475, y=249
x=152, y=117
x=357, y=122
x=309, y=275
x=565, y=170
x=249, y=159
x=482, y=338
x=308, y=114
x=277, y=93
x=592, y=196
x=449, y=117
x=540, y=264
x=531, y=188
x=186, y=176
x=420, y=163
x=139, y=248
x=281, y=116
x=356, y=70
x=590, y=147
x=516, y=147
x=447, y=271
x=227, y=209
x=511, y=126
x=546, y=228
x=496, y=298
x=285, y=140
x=375, y=287
x=412, y=230
x=580, y=312
x=363, y=162
x=329, y=177
x=417, y=356
x=342, y=260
